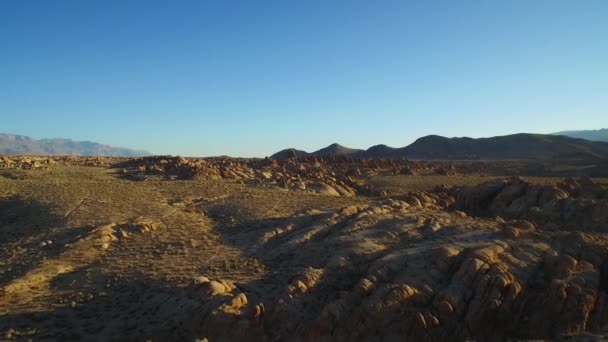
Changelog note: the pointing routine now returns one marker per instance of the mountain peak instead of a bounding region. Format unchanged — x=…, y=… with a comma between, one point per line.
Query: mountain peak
x=336, y=149
x=20, y=144
x=289, y=153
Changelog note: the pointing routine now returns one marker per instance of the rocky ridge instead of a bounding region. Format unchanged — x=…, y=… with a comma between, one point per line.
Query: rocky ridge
x=425, y=266
x=330, y=175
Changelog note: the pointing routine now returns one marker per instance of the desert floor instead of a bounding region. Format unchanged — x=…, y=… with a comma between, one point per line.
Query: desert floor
x=88, y=255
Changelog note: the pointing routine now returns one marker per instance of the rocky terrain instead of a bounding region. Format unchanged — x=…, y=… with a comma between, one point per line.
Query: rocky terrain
x=301, y=248
x=329, y=175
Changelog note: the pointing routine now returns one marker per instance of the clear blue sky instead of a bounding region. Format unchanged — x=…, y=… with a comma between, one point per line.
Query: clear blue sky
x=247, y=78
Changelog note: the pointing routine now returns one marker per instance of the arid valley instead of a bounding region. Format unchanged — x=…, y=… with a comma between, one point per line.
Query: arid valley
x=300, y=248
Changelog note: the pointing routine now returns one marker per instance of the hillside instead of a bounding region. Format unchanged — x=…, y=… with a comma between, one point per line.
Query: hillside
x=336, y=149
x=593, y=135
x=381, y=151
x=289, y=153
x=18, y=144
x=333, y=149
x=515, y=146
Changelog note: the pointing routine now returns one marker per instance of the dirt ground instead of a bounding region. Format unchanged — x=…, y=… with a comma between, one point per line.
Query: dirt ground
x=68, y=287
x=88, y=255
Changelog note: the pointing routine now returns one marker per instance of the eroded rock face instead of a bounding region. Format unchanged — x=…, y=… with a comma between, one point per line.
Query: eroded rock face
x=104, y=235
x=574, y=204
x=415, y=267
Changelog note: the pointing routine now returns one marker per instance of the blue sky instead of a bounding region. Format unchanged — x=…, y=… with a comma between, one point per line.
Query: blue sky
x=247, y=78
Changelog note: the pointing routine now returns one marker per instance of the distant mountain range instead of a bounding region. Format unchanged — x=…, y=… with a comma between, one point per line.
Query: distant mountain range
x=19, y=144
x=593, y=135
x=515, y=146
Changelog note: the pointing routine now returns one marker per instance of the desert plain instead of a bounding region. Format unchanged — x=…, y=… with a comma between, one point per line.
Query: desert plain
x=300, y=249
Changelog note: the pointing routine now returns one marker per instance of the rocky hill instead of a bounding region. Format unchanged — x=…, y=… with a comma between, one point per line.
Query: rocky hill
x=289, y=153
x=593, y=135
x=331, y=150
x=337, y=149
x=21, y=145
x=515, y=146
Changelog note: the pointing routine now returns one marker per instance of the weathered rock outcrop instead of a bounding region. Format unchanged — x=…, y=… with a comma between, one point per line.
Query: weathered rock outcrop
x=407, y=267
x=574, y=204
x=327, y=175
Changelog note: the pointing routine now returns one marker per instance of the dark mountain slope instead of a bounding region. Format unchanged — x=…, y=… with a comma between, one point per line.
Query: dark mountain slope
x=289, y=153
x=336, y=149
x=515, y=146
x=593, y=135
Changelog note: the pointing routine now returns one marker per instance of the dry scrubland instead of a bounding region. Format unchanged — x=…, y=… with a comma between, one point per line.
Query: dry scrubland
x=312, y=249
